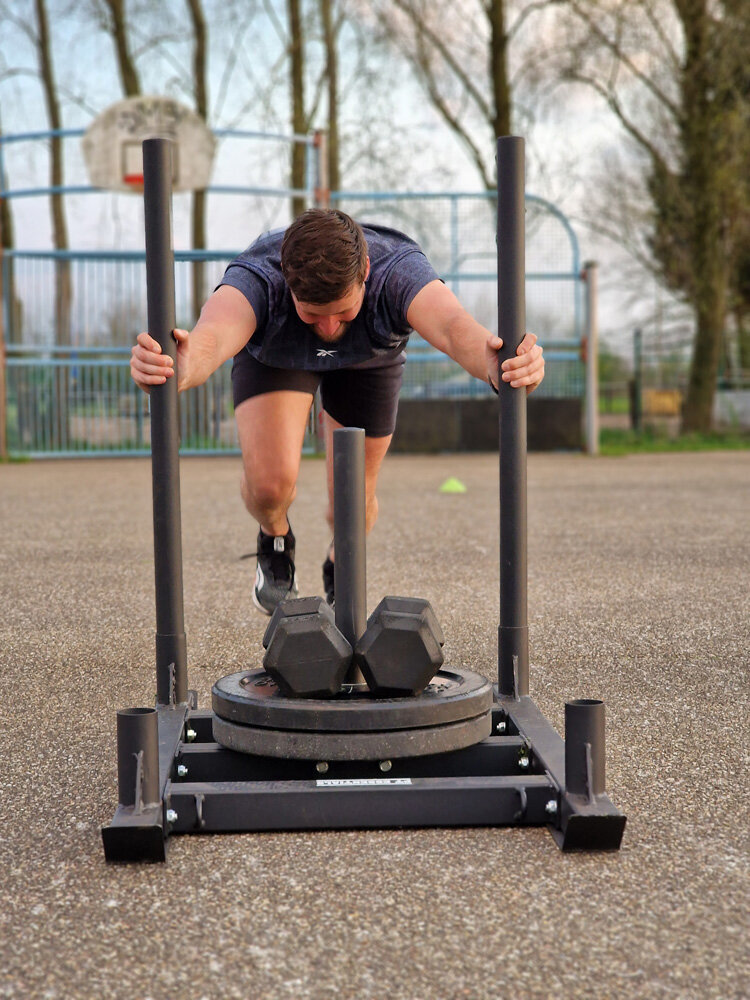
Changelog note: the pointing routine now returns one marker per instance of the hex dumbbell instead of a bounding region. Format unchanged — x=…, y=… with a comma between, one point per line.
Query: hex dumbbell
x=400, y=650
x=306, y=654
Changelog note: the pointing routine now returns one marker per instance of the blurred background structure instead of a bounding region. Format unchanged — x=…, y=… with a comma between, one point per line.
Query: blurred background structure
x=68, y=390
x=638, y=132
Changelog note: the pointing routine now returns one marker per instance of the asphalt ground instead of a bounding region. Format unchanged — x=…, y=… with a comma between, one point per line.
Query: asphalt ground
x=638, y=594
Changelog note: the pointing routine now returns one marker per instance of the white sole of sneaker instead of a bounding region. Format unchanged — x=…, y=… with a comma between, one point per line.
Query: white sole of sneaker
x=259, y=581
x=259, y=606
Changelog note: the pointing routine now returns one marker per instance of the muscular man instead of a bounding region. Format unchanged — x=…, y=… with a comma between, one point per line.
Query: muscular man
x=329, y=304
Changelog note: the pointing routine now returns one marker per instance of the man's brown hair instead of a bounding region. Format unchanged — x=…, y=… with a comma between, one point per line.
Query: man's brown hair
x=323, y=254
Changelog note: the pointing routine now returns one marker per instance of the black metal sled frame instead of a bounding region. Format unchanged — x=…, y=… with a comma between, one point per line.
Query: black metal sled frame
x=174, y=779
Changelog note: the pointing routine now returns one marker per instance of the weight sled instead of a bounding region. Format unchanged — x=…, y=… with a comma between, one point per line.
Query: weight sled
x=174, y=776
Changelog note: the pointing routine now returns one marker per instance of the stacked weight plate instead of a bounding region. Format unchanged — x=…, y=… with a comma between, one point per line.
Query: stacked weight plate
x=251, y=715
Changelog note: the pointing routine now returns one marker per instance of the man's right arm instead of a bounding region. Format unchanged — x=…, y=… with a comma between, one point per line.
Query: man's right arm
x=226, y=323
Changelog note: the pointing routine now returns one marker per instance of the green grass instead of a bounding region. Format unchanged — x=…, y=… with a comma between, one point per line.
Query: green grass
x=615, y=404
x=628, y=442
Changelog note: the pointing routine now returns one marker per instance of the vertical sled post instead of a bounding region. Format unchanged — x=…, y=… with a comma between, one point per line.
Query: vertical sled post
x=513, y=632
x=171, y=645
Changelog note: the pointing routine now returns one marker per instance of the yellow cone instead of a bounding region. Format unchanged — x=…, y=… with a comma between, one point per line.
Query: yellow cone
x=453, y=485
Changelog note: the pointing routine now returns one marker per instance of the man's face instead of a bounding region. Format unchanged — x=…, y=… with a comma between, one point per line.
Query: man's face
x=331, y=320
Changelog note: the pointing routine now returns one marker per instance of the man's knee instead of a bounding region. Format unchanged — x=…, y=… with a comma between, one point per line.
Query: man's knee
x=269, y=489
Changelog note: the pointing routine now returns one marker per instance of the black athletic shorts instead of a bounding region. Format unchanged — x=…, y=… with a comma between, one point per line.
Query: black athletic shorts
x=356, y=397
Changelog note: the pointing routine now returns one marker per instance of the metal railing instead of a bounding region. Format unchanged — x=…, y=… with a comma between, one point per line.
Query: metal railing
x=81, y=402
x=456, y=230
x=309, y=141
x=107, y=294
x=66, y=375
x=78, y=399
x=78, y=402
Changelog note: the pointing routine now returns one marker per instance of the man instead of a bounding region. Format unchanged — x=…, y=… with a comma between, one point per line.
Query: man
x=325, y=303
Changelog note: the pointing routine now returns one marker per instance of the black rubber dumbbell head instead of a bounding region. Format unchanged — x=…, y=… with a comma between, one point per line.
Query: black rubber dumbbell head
x=399, y=652
x=307, y=656
x=293, y=607
x=411, y=606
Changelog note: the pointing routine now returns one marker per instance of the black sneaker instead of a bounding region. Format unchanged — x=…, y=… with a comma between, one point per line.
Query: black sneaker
x=328, y=581
x=275, y=577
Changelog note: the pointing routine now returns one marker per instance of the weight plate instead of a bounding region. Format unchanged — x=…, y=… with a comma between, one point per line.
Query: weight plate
x=385, y=745
x=252, y=698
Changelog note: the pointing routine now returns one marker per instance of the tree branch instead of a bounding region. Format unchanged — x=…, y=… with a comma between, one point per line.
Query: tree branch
x=226, y=75
x=275, y=21
x=658, y=30
x=614, y=105
x=615, y=48
x=450, y=119
x=425, y=32
x=526, y=13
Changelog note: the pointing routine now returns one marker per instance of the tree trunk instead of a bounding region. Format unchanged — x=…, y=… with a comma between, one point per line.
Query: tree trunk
x=499, y=67
x=63, y=292
x=702, y=176
x=299, y=124
x=6, y=290
x=743, y=341
x=329, y=40
x=12, y=332
x=199, y=197
x=704, y=369
x=131, y=84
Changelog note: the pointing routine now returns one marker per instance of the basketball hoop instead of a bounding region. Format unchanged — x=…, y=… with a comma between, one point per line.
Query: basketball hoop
x=112, y=145
x=131, y=165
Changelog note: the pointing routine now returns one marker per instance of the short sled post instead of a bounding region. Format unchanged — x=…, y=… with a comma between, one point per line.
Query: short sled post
x=349, y=538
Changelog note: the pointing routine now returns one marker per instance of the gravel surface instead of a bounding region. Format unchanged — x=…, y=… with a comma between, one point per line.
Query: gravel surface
x=638, y=594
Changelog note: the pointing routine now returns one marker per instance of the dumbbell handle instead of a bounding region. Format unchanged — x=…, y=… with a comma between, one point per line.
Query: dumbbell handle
x=349, y=530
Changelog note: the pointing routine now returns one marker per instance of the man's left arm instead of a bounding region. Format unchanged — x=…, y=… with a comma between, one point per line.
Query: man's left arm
x=437, y=315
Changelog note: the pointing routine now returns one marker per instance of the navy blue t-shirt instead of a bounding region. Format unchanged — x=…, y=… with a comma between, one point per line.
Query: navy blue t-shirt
x=398, y=270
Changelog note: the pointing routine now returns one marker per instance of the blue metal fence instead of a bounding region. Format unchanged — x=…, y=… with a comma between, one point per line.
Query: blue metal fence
x=78, y=402
x=107, y=294
x=457, y=232
x=77, y=398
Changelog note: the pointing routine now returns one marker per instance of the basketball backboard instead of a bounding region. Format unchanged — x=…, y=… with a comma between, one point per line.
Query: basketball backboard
x=112, y=144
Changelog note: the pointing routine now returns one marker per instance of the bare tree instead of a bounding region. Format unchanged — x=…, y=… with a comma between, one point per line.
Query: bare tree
x=63, y=290
x=301, y=35
x=114, y=20
x=59, y=225
x=200, y=84
x=297, y=96
x=117, y=26
x=11, y=333
x=672, y=75
x=459, y=53
x=6, y=278
x=330, y=31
